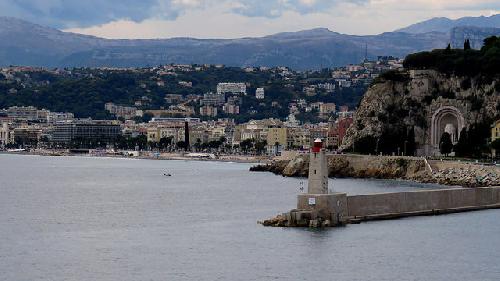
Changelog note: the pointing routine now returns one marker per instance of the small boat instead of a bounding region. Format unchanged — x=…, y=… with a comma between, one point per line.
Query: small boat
x=167, y=175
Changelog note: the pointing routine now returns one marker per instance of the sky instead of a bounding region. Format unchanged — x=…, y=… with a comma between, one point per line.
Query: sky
x=235, y=18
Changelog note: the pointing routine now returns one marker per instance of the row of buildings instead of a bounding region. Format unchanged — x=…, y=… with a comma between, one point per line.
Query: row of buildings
x=17, y=130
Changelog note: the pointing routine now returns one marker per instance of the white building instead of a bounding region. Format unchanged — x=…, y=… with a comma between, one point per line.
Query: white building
x=213, y=99
x=232, y=88
x=259, y=93
x=5, y=134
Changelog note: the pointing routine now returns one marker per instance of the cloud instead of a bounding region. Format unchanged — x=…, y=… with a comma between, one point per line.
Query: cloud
x=82, y=13
x=275, y=8
x=235, y=18
x=85, y=13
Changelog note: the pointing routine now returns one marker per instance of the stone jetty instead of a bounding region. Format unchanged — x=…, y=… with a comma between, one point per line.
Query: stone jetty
x=322, y=207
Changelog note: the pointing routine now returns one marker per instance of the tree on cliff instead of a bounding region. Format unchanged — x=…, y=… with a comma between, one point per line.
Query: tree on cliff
x=467, y=44
x=467, y=62
x=445, y=144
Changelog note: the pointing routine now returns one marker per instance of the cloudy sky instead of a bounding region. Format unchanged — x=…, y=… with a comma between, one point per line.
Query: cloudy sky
x=235, y=18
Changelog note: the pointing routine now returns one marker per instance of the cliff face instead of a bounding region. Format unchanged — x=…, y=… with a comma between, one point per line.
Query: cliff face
x=424, y=102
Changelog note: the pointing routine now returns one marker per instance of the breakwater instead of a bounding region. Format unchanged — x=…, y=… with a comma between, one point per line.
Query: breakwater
x=340, y=209
x=418, y=169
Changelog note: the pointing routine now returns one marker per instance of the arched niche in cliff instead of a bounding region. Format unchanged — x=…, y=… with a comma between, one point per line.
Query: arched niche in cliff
x=444, y=118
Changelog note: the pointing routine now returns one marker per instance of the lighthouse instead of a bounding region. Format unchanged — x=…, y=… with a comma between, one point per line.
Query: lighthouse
x=318, y=170
x=319, y=206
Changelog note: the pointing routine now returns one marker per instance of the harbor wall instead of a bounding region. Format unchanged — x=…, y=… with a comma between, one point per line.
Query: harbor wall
x=426, y=201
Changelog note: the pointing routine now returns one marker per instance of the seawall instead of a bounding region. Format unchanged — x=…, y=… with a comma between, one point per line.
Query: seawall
x=425, y=202
x=335, y=209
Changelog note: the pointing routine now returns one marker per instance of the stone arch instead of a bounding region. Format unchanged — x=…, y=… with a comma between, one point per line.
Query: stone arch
x=443, y=118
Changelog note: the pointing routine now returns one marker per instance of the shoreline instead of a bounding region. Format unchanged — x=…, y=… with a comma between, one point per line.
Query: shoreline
x=148, y=156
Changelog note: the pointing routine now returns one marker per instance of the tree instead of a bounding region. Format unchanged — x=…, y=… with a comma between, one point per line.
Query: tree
x=462, y=148
x=467, y=44
x=495, y=145
x=445, y=144
x=165, y=142
x=197, y=144
x=247, y=145
x=181, y=145
x=260, y=146
x=365, y=145
x=448, y=48
x=410, y=145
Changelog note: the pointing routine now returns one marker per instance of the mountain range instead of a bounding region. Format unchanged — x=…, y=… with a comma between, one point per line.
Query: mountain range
x=25, y=43
x=445, y=24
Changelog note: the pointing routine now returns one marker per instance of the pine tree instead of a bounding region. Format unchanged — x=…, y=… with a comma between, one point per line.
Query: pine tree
x=462, y=148
x=467, y=44
x=445, y=144
x=410, y=142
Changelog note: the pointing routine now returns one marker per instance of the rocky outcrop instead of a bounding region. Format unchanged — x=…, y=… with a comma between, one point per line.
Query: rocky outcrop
x=387, y=167
x=409, y=100
x=463, y=174
x=355, y=166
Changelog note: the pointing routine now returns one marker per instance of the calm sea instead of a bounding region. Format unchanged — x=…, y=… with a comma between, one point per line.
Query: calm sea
x=77, y=218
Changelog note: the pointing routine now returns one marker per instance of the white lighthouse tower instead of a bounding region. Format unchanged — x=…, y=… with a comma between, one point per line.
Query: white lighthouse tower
x=318, y=205
x=318, y=170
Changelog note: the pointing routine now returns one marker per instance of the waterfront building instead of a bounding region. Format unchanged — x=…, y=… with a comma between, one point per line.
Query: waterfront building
x=277, y=140
x=299, y=138
x=86, y=132
x=156, y=133
x=5, y=134
x=27, y=135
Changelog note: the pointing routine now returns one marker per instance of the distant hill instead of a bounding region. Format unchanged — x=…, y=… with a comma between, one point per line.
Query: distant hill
x=476, y=35
x=24, y=43
x=445, y=24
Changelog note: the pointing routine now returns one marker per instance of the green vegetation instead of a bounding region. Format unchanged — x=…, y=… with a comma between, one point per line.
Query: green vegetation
x=85, y=91
x=466, y=62
x=445, y=144
x=495, y=145
x=472, y=142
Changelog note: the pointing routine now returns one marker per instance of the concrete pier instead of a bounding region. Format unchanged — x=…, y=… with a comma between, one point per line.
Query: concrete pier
x=415, y=203
x=319, y=207
x=338, y=208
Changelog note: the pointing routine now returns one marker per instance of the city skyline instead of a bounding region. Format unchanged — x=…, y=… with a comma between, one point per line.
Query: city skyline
x=209, y=19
